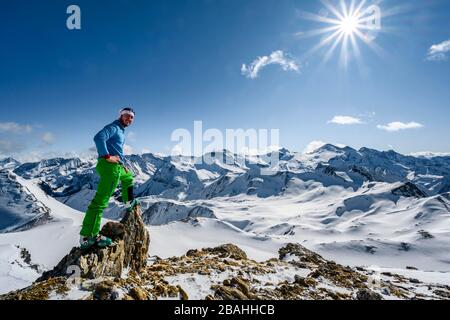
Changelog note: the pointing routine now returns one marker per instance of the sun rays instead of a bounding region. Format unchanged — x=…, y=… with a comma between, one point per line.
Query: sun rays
x=347, y=25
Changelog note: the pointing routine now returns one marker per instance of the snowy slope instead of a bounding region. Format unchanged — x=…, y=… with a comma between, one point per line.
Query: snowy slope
x=46, y=243
x=19, y=208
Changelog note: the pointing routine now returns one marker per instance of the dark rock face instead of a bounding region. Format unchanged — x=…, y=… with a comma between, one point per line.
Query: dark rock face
x=304, y=255
x=105, y=291
x=113, y=230
x=129, y=250
x=229, y=251
x=366, y=294
x=363, y=172
x=409, y=190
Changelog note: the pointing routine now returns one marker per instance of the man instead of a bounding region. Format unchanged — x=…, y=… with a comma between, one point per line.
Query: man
x=109, y=142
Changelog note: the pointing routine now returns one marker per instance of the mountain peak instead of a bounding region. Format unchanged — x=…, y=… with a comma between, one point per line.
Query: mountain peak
x=334, y=148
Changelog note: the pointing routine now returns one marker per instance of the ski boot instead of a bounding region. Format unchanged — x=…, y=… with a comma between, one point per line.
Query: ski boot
x=131, y=205
x=100, y=241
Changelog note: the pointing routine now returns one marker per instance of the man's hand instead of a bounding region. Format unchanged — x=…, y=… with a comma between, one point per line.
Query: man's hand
x=113, y=159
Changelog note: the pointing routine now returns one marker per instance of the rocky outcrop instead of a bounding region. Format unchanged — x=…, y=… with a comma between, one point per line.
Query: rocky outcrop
x=366, y=294
x=226, y=273
x=363, y=172
x=129, y=250
x=409, y=190
x=89, y=264
x=136, y=240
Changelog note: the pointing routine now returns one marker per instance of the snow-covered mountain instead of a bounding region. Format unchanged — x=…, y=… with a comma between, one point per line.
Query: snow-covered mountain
x=357, y=207
x=187, y=179
x=9, y=163
x=19, y=208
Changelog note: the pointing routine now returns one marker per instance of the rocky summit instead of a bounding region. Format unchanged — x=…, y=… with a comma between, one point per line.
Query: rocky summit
x=220, y=273
x=129, y=251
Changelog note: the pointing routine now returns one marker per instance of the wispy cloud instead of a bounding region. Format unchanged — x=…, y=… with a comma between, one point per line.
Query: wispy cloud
x=439, y=52
x=345, y=120
x=48, y=138
x=397, y=126
x=277, y=57
x=430, y=154
x=313, y=146
x=14, y=127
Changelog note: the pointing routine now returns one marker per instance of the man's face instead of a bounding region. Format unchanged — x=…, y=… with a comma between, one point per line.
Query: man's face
x=127, y=120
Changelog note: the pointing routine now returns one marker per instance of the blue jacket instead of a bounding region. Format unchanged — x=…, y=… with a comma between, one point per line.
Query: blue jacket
x=110, y=140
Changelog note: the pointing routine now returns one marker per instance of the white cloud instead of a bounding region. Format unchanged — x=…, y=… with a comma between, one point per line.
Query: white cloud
x=277, y=57
x=430, y=154
x=127, y=150
x=397, y=126
x=14, y=127
x=439, y=52
x=345, y=120
x=313, y=146
x=48, y=138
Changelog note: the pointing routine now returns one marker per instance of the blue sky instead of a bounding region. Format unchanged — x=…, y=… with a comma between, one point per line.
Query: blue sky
x=177, y=61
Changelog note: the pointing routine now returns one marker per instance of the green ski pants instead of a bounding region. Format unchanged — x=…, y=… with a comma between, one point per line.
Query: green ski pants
x=110, y=175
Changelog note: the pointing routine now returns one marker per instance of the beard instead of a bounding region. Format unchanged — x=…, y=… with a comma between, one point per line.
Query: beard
x=123, y=123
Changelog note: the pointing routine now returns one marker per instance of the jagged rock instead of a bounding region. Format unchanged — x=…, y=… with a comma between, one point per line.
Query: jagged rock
x=305, y=282
x=183, y=294
x=304, y=255
x=366, y=294
x=138, y=294
x=129, y=250
x=425, y=234
x=442, y=293
x=136, y=239
x=113, y=230
x=229, y=293
x=363, y=172
x=229, y=251
x=89, y=264
x=39, y=291
x=106, y=290
x=193, y=252
x=242, y=285
x=326, y=169
x=404, y=246
x=409, y=190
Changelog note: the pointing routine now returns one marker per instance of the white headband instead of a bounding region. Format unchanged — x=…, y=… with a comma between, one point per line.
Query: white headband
x=123, y=112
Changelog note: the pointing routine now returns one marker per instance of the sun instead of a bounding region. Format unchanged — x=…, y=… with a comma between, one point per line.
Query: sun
x=347, y=24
